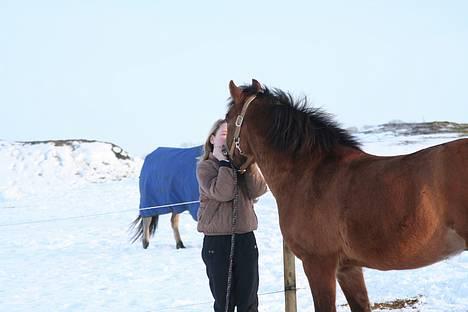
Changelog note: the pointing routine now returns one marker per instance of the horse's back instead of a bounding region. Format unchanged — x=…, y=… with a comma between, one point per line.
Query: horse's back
x=454, y=160
x=419, y=200
x=440, y=170
x=448, y=187
x=453, y=184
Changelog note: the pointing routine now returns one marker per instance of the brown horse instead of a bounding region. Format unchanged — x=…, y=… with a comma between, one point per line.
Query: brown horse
x=341, y=209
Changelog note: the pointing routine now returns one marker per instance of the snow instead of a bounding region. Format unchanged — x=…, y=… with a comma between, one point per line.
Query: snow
x=28, y=167
x=64, y=216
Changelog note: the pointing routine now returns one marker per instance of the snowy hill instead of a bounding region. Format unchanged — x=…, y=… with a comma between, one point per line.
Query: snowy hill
x=29, y=166
x=399, y=128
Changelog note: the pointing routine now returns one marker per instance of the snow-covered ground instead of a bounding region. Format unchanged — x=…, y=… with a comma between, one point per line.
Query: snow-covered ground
x=64, y=215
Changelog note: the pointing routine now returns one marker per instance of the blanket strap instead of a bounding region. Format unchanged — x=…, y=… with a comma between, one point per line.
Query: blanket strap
x=171, y=205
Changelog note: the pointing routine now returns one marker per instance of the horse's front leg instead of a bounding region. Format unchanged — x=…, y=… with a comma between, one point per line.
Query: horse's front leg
x=175, y=229
x=352, y=283
x=321, y=273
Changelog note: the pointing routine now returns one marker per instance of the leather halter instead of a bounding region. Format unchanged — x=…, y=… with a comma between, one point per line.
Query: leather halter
x=239, y=120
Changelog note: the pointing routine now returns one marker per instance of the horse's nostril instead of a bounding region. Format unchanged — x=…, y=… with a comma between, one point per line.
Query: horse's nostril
x=145, y=244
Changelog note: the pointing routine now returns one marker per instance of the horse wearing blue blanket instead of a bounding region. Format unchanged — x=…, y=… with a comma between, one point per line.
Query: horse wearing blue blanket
x=168, y=184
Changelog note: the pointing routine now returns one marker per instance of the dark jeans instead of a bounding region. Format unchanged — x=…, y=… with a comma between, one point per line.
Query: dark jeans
x=215, y=254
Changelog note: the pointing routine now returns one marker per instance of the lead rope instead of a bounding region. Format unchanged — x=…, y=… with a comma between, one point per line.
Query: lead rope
x=233, y=239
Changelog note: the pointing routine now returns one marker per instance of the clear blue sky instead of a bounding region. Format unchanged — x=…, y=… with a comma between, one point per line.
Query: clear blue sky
x=143, y=74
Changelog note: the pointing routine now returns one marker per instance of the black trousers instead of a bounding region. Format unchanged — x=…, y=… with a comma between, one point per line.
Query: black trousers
x=215, y=253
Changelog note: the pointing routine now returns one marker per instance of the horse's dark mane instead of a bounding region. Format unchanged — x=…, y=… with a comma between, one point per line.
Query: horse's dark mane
x=298, y=127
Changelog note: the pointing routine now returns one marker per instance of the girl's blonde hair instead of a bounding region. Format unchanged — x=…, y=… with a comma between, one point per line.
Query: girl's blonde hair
x=208, y=147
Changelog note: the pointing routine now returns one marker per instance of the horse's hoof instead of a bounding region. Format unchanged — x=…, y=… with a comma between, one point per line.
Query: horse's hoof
x=180, y=245
x=145, y=244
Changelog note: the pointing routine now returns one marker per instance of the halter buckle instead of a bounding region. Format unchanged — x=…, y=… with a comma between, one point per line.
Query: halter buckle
x=239, y=120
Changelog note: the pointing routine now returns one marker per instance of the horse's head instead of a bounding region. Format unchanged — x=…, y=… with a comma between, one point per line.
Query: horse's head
x=237, y=139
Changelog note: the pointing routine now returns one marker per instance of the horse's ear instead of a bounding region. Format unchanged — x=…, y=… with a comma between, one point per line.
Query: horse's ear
x=235, y=91
x=258, y=87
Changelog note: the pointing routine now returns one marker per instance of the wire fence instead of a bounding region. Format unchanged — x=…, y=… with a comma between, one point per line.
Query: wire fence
x=168, y=308
x=195, y=304
x=85, y=216
x=66, y=218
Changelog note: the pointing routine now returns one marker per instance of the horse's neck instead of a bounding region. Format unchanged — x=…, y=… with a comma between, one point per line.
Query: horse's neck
x=276, y=172
x=281, y=170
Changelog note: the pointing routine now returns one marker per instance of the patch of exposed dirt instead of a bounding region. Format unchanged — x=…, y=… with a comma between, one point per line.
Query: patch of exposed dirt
x=412, y=303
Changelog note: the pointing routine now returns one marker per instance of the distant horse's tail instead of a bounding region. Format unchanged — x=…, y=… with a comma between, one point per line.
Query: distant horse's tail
x=137, y=227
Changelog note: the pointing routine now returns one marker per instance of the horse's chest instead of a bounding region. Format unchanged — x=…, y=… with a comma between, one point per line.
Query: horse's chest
x=309, y=228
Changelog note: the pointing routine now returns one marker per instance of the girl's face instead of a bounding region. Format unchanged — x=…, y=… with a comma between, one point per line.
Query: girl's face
x=219, y=138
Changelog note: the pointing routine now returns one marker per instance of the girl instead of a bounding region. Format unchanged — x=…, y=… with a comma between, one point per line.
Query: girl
x=218, y=186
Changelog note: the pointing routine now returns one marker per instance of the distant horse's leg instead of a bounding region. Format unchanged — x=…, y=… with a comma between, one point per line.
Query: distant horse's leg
x=175, y=229
x=146, y=231
x=321, y=273
x=352, y=283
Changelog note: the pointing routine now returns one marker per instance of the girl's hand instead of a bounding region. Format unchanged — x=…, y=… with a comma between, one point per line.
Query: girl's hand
x=218, y=152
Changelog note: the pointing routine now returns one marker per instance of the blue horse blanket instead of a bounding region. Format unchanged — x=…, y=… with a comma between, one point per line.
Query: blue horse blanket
x=168, y=181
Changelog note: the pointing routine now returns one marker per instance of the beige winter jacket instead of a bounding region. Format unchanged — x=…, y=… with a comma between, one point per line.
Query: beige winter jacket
x=217, y=191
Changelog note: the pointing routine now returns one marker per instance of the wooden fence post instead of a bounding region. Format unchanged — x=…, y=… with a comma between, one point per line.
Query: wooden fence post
x=289, y=279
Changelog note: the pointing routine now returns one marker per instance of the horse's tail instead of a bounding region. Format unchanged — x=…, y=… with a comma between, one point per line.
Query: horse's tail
x=137, y=227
